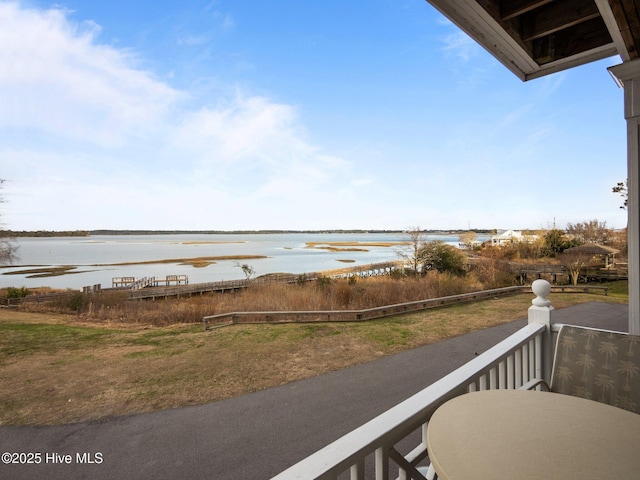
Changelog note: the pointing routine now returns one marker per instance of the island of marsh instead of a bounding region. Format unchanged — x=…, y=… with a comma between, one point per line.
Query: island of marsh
x=351, y=246
x=196, y=262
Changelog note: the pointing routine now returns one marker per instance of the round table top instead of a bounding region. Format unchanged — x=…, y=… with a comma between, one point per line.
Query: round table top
x=519, y=434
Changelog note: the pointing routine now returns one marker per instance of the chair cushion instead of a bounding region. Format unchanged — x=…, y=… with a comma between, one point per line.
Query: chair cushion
x=599, y=365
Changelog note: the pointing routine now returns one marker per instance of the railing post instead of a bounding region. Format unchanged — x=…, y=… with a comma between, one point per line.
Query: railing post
x=542, y=312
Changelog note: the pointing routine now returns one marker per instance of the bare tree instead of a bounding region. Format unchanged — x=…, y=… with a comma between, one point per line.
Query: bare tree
x=468, y=239
x=411, y=254
x=247, y=269
x=574, y=262
x=8, y=247
x=592, y=231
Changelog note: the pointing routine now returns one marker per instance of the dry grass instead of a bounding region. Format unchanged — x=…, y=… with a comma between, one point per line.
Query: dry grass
x=43, y=272
x=351, y=246
x=66, y=368
x=356, y=244
x=325, y=294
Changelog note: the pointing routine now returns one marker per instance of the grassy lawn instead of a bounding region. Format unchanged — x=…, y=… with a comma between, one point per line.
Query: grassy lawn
x=55, y=369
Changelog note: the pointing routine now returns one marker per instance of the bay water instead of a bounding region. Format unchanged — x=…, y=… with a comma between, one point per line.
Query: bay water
x=94, y=257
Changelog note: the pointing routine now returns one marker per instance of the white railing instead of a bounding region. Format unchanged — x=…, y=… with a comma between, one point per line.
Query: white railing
x=375, y=450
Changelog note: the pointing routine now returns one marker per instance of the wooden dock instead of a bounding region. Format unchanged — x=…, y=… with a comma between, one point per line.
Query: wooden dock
x=133, y=283
x=526, y=272
x=178, y=285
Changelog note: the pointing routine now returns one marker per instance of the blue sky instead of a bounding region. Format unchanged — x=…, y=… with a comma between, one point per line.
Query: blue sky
x=322, y=114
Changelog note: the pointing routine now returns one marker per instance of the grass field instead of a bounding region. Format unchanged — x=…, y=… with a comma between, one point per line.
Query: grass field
x=58, y=368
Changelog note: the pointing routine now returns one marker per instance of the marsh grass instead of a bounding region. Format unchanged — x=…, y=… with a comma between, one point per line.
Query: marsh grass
x=184, y=261
x=43, y=272
x=325, y=294
x=355, y=244
x=196, y=262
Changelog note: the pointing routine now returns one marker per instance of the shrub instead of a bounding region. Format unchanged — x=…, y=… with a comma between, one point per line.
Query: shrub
x=108, y=300
x=442, y=257
x=14, y=292
x=323, y=281
x=76, y=302
x=493, y=273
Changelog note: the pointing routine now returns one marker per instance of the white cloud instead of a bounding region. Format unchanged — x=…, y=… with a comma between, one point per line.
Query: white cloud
x=92, y=129
x=225, y=20
x=459, y=45
x=361, y=182
x=244, y=128
x=192, y=40
x=60, y=81
x=227, y=23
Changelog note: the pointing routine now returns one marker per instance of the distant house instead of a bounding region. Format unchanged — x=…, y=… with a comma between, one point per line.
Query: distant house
x=509, y=237
x=506, y=237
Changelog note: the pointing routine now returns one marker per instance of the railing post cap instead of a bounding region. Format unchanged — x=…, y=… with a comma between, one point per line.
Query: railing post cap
x=542, y=289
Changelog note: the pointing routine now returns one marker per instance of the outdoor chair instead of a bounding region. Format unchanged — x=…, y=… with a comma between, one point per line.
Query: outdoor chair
x=599, y=365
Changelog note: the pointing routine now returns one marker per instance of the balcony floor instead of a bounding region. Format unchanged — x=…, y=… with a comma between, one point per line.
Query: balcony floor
x=261, y=434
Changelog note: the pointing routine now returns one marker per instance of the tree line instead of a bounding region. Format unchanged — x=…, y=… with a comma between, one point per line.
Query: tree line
x=495, y=265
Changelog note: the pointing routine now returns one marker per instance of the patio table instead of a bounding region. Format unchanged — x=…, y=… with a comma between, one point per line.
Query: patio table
x=519, y=434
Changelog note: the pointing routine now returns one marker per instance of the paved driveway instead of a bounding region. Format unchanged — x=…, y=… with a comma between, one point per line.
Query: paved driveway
x=258, y=435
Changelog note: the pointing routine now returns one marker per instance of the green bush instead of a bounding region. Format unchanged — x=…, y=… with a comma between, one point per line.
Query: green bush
x=323, y=281
x=76, y=302
x=444, y=258
x=13, y=292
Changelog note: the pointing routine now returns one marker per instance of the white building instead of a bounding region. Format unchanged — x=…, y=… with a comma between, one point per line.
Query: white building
x=508, y=237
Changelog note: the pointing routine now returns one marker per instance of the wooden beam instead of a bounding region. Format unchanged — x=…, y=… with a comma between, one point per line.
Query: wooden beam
x=511, y=27
x=606, y=10
x=557, y=16
x=515, y=8
x=627, y=16
x=572, y=41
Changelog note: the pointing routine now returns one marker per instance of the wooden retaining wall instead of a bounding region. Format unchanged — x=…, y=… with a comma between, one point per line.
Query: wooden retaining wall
x=232, y=318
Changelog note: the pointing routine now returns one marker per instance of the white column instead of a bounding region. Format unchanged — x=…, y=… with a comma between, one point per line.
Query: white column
x=628, y=75
x=541, y=311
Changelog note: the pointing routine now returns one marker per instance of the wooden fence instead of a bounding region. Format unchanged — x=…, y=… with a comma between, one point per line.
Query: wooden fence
x=43, y=298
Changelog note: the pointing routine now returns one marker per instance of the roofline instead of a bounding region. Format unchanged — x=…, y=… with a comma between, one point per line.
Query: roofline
x=474, y=20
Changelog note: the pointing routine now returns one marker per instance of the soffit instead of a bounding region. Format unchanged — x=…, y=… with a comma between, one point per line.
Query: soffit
x=537, y=37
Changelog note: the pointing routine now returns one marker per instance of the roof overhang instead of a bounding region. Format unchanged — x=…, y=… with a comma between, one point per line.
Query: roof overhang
x=533, y=38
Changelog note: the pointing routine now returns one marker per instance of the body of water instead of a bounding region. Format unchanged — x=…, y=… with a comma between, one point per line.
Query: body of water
x=285, y=253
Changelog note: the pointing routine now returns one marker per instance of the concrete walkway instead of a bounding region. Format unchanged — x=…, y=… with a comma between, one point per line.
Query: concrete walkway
x=258, y=435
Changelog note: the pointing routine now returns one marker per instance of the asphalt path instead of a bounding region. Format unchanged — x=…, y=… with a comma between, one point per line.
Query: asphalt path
x=258, y=435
